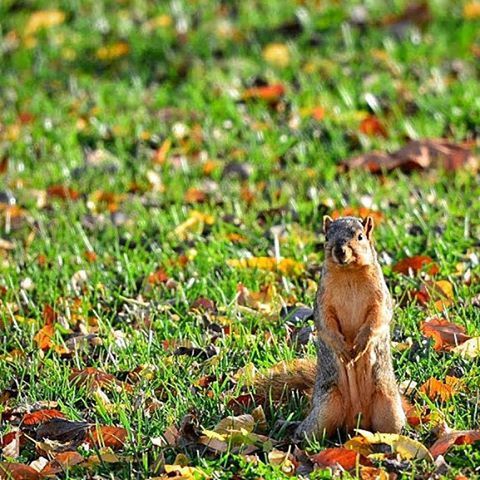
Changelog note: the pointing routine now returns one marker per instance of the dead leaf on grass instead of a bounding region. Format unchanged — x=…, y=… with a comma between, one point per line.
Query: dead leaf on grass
x=434, y=388
x=415, y=264
x=444, y=333
x=447, y=440
x=416, y=155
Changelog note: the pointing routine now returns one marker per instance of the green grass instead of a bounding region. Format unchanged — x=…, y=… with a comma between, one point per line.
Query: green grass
x=426, y=84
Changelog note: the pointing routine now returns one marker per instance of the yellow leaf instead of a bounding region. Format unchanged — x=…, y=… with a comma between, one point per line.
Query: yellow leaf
x=229, y=424
x=469, y=349
x=286, y=266
x=403, y=446
x=43, y=19
x=277, y=54
x=471, y=10
x=111, y=52
x=195, y=223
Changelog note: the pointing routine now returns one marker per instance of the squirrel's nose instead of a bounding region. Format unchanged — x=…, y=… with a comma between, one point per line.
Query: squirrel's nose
x=341, y=251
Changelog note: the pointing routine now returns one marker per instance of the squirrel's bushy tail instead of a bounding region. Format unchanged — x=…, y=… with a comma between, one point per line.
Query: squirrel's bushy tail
x=281, y=379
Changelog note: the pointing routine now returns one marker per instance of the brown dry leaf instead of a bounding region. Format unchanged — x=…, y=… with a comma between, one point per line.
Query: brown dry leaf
x=417, y=13
x=44, y=337
x=416, y=155
x=277, y=54
x=106, y=436
x=471, y=11
x=43, y=19
x=372, y=126
x=286, y=266
x=41, y=416
x=61, y=462
x=18, y=471
x=113, y=51
x=407, y=448
x=11, y=444
x=440, y=292
x=269, y=93
x=434, y=388
x=361, y=212
x=94, y=378
x=338, y=457
x=287, y=462
x=444, y=333
x=416, y=264
x=373, y=473
x=59, y=434
x=194, y=195
x=62, y=192
x=158, y=277
x=469, y=349
x=465, y=437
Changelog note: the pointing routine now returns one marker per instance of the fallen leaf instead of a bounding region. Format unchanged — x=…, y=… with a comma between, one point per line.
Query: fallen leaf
x=44, y=337
x=415, y=264
x=160, y=155
x=434, y=388
x=337, y=457
x=62, y=462
x=444, y=333
x=194, y=195
x=440, y=292
x=417, y=13
x=407, y=448
x=372, y=126
x=277, y=54
x=464, y=437
x=62, y=192
x=373, y=473
x=41, y=416
x=18, y=471
x=269, y=93
x=286, y=266
x=228, y=424
x=469, y=349
x=107, y=436
x=66, y=433
x=416, y=155
x=43, y=19
x=471, y=11
x=93, y=378
x=113, y=51
x=194, y=224
x=285, y=460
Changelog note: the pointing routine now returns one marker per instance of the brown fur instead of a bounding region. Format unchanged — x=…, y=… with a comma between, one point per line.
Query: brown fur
x=354, y=380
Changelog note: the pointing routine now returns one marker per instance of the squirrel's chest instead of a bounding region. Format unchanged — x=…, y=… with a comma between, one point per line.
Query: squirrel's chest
x=351, y=300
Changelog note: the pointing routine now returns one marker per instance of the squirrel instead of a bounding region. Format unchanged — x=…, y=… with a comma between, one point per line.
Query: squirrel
x=353, y=383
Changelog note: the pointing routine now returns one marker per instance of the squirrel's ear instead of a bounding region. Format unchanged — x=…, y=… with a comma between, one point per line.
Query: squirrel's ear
x=368, y=225
x=326, y=223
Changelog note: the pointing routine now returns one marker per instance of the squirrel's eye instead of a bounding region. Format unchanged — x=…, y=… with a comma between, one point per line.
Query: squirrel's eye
x=360, y=236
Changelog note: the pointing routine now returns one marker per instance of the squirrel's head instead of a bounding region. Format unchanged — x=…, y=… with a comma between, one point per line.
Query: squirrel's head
x=348, y=241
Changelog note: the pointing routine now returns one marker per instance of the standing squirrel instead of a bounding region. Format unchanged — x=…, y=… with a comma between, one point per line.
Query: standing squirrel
x=353, y=382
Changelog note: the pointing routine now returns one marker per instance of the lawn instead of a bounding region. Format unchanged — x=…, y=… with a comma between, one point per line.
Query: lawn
x=147, y=147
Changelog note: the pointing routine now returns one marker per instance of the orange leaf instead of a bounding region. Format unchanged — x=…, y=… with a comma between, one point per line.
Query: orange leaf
x=105, y=436
x=113, y=51
x=331, y=457
x=270, y=93
x=62, y=192
x=361, y=212
x=158, y=277
x=62, y=462
x=160, y=155
x=465, y=437
x=40, y=416
x=372, y=126
x=434, y=388
x=194, y=195
x=444, y=333
x=18, y=471
x=44, y=337
x=415, y=264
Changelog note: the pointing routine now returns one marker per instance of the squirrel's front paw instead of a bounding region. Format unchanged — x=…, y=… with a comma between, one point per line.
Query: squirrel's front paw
x=360, y=344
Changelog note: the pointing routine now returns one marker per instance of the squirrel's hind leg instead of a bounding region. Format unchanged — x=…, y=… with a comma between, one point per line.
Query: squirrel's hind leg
x=387, y=412
x=326, y=416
